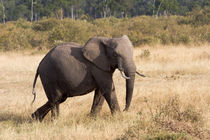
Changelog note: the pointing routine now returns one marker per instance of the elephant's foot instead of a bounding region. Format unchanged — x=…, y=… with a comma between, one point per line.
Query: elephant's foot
x=35, y=116
x=93, y=114
x=40, y=113
x=39, y=116
x=115, y=111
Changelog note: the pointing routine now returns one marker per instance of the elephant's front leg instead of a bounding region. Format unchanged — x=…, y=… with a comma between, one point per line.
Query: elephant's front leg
x=97, y=102
x=105, y=84
x=111, y=99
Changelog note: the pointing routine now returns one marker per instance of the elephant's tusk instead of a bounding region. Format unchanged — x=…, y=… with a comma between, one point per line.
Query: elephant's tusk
x=140, y=74
x=123, y=75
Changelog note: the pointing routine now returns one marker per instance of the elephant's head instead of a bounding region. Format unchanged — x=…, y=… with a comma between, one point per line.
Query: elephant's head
x=109, y=54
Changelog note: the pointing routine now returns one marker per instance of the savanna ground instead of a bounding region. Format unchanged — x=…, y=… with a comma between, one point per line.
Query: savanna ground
x=172, y=102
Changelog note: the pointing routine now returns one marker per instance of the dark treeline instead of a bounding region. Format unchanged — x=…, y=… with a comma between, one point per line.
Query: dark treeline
x=37, y=9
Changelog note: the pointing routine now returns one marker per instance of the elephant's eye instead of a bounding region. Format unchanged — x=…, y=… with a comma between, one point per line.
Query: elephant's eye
x=115, y=54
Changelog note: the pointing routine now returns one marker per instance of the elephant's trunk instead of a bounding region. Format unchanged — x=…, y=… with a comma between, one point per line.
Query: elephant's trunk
x=129, y=88
x=129, y=69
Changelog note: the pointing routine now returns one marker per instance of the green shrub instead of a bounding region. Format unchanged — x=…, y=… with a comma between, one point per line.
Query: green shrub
x=45, y=24
x=145, y=54
x=22, y=23
x=72, y=31
x=168, y=136
x=164, y=38
x=197, y=17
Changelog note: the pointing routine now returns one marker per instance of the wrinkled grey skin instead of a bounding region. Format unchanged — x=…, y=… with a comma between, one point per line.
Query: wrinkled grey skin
x=72, y=70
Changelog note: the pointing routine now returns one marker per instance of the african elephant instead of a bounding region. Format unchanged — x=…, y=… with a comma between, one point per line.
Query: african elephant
x=72, y=70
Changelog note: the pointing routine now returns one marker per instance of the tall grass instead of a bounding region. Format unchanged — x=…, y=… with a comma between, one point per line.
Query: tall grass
x=172, y=102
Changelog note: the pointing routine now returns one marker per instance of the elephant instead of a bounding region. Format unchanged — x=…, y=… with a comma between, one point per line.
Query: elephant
x=70, y=69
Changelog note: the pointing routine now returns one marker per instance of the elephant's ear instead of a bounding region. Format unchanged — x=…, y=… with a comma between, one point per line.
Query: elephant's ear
x=94, y=50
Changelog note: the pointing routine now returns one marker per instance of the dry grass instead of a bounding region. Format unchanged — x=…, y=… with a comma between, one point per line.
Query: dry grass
x=173, y=102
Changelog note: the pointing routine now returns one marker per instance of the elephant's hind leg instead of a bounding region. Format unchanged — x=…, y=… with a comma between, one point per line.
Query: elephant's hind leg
x=40, y=113
x=55, y=110
x=97, y=102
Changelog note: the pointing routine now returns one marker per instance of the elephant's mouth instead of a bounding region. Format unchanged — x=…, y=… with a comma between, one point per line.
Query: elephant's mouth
x=123, y=74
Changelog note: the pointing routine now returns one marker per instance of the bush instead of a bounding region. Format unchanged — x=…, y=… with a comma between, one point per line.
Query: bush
x=45, y=24
x=72, y=31
x=197, y=17
x=167, y=120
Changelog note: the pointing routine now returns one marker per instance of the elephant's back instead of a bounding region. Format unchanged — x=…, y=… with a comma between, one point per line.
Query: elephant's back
x=66, y=55
x=62, y=53
x=66, y=64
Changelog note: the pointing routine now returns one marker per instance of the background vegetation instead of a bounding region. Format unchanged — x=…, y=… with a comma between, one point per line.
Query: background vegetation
x=142, y=30
x=146, y=22
x=37, y=9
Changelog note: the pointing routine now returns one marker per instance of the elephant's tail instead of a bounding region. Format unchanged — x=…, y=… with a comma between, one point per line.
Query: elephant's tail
x=34, y=84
